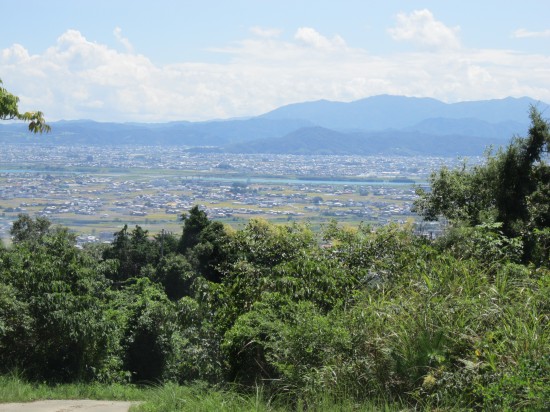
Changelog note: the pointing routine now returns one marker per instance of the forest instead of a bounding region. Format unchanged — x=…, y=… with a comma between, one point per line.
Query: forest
x=357, y=313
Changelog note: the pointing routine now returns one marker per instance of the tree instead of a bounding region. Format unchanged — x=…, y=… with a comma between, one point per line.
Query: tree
x=193, y=224
x=9, y=110
x=133, y=251
x=176, y=276
x=27, y=229
x=203, y=243
x=52, y=308
x=511, y=188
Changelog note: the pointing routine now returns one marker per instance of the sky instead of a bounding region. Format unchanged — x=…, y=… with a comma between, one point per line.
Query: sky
x=168, y=60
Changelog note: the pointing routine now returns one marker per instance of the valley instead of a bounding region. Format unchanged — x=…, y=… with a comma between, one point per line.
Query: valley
x=95, y=191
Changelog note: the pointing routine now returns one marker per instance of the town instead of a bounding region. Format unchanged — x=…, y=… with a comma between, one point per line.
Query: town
x=96, y=190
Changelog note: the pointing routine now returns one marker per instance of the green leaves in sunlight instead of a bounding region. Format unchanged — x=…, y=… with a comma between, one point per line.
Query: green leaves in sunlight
x=354, y=315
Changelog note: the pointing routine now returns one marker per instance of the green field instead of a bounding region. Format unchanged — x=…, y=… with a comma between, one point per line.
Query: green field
x=230, y=198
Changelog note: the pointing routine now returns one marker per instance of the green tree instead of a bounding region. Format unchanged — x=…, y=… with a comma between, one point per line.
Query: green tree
x=194, y=223
x=512, y=188
x=61, y=332
x=9, y=110
x=27, y=229
x=133, y=251
x=203, y=243
x=177, y=276
x=150, y=322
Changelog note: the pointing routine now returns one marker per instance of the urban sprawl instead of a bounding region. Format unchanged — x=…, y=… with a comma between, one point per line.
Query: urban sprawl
x=96, y=190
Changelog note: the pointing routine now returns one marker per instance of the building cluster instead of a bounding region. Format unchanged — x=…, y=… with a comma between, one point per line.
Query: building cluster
x=96, y=189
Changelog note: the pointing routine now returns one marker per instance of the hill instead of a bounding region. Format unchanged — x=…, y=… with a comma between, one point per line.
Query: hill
x=386, y=112
x=375, y=125
x=322, y=141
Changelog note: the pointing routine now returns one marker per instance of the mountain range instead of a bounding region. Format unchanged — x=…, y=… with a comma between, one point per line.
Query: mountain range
x=375, y=125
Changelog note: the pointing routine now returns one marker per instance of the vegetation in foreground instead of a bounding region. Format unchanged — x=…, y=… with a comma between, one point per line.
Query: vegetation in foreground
x=171, y=397
x=274, y=317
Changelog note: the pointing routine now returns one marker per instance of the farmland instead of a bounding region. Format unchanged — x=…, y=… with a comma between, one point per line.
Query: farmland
x=94, y=191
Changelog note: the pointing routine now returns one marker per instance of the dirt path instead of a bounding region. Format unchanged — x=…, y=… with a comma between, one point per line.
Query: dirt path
x=66, y=406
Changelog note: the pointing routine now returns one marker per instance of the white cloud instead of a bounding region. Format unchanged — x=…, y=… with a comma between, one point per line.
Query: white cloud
x=264, y=32
x=313, y=38
x=15, y=53
x=123, y=40
x=77, y=78
x=421, y=28
x=523, y=34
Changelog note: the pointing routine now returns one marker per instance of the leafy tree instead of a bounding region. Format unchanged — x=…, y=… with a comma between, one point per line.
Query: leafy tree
x=512, y=187
x=266, y=245
x=62, y=332
x=9, y=110
x=167, y=242
x=149, y=326
x=177, y=276
x=27, y=229
x=203, y=243
x=133, y=251
x=194, y=223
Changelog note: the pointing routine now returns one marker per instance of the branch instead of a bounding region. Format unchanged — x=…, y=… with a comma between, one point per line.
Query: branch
x=37, y=124
x=9, y=110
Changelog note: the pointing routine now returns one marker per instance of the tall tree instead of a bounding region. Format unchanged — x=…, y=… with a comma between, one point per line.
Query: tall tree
x=203, y=242
x=512, y=188
x=133, y=251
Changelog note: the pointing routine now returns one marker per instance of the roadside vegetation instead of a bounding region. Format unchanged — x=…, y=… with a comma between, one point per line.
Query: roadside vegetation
x=276, y=317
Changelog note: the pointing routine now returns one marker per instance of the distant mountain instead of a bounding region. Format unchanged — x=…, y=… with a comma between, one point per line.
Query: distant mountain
x=469, y=127
x=321, y=141
x=397, y=112
x=215, y=133
x=375, y=125
x=311, y=140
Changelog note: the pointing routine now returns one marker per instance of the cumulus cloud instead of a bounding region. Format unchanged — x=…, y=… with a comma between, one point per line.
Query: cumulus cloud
x=76, y=78
x=421, y=28
x=313, y=38
x=523, y=34
x=15, y=53
x=123, y=40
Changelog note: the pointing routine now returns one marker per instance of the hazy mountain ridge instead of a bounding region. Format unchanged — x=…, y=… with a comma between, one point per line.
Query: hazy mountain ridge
x=375, y=125
x=469, y=127
x=386, y=111
x=322, y=141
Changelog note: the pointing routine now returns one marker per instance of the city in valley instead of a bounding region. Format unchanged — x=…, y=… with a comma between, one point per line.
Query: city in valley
x=96, y=190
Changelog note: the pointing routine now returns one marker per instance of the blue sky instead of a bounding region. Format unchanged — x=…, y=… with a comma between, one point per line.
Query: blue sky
x=165, y=60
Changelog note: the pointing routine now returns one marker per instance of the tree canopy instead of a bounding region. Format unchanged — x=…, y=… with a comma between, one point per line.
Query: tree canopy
x=512, y=189
x=9, y=110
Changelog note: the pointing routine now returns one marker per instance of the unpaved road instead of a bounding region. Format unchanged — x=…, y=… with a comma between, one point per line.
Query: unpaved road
x=67, y=406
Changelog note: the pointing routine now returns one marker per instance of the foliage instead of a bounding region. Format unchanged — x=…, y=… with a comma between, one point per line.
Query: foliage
x=14, y=388
x=9, y=110
x=149, y=325
x=25, y=229
x=511, y=188
x=133, y=251
x=358, y=316
x=61, y=333
x=203, y=243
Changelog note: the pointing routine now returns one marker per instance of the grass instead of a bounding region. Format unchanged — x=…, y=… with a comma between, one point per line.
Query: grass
x=15, y=389
x=196, y=399
x=172, y=397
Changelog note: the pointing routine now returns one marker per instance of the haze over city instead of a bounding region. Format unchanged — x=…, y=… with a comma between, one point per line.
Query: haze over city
x=181, y=60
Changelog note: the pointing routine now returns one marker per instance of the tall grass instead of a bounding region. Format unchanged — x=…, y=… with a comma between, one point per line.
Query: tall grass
x=13, y=388
x=171, y=397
